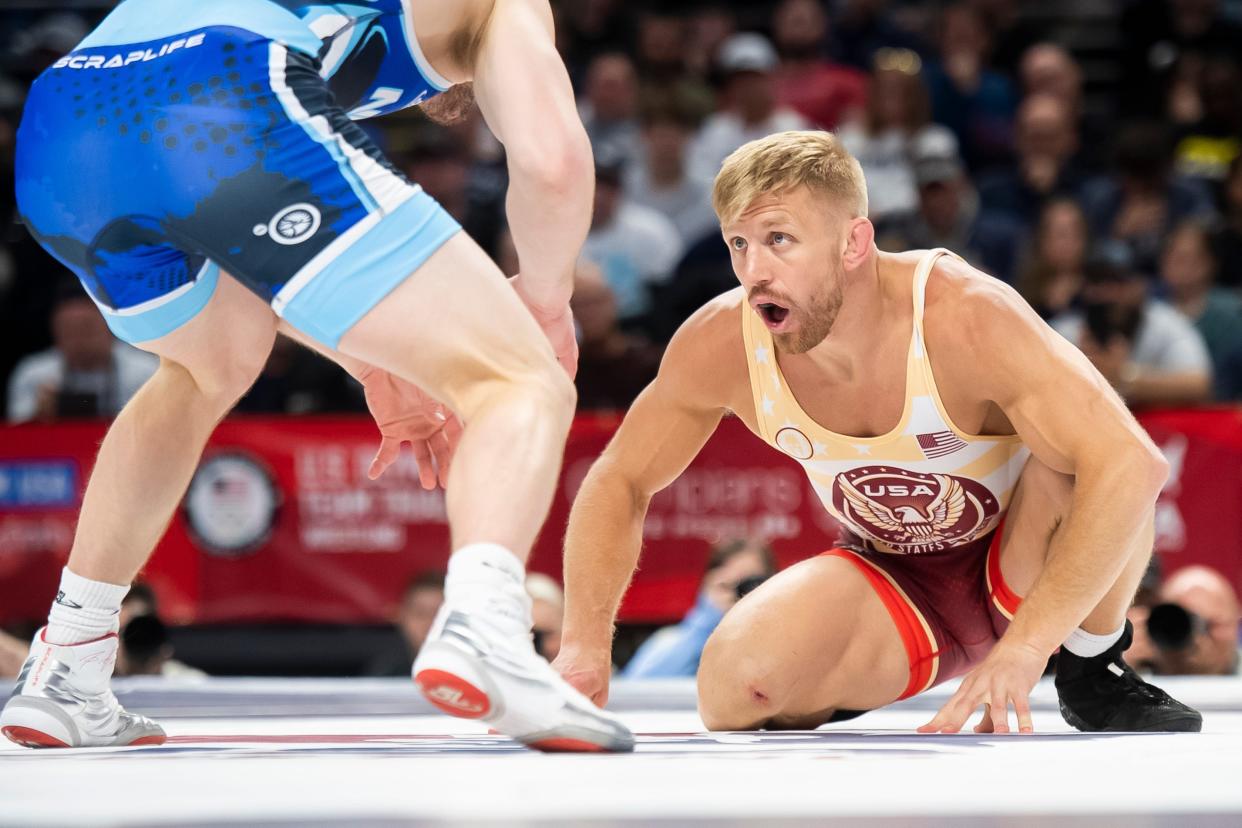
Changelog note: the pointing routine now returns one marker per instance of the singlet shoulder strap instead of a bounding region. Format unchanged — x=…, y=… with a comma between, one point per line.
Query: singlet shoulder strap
x=921, y=273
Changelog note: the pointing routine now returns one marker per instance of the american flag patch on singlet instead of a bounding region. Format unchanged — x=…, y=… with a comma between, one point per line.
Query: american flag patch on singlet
x=939, y=444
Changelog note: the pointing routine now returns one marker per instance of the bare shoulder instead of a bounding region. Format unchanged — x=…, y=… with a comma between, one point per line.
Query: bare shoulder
x=965, y=304
x=706, y=358
x=992, y=335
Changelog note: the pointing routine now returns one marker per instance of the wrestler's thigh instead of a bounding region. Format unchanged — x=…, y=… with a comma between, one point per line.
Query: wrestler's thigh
x=454, y=326
x=1040, y=502
x=813, y=639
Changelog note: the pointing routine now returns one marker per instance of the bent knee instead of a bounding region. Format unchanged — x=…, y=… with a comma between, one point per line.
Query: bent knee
x=539, y=388
x=222, y=376
x=737, y=690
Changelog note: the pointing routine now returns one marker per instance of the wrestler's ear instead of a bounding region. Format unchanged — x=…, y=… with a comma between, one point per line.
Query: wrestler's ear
x=859, y=239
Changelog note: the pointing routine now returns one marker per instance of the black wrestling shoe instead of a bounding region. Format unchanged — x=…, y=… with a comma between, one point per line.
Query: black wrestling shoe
x=1102, y=693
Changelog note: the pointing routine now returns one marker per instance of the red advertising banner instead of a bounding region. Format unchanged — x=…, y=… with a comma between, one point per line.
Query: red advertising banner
x=282, y=524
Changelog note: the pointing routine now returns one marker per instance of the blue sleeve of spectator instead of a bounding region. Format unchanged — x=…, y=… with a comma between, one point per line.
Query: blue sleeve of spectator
x=675, y=651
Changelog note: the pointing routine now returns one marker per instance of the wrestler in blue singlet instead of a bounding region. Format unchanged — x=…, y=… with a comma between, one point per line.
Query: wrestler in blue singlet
x=185, y=136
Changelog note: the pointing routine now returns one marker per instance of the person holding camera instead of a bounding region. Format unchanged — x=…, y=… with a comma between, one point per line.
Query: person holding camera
x=86, y=373
x=734, y=568
x=1192, y=627
x=1145, y=348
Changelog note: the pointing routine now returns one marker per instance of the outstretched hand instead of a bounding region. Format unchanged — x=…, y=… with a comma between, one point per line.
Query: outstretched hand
x=1005, y=677
x=405, y=413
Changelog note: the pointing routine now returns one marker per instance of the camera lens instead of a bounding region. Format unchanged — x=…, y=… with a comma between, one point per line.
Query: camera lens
x=1172, y=628
x=748, y=584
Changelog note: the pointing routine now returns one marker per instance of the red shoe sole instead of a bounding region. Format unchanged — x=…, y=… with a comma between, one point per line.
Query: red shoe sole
x=148, y=740
x=453, y=694
x=29, y=737
x=32, y=738
x=566, y=746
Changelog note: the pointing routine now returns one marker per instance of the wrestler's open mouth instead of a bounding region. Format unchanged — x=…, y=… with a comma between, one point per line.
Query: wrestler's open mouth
x=772, y=313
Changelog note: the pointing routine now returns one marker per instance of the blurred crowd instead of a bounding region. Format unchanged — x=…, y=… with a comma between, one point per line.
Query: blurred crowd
x=1088, y=153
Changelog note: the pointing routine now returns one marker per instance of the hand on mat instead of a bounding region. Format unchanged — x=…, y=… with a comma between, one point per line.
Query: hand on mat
x=557, y=326
x=588, y=672
x=1005, y=677
x=406, y=414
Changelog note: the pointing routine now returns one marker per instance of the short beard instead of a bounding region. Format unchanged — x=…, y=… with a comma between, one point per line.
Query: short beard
x=451, y=106
x=816, y=323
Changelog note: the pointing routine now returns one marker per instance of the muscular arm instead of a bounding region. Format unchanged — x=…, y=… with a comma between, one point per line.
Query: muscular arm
x=1073, y=421
x=524, y=93
x=662, y=432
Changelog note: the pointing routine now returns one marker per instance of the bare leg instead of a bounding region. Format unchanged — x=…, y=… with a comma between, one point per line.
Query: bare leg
x=1040, y=504
x=150, y=452
x=457, y=329
x=813, y=639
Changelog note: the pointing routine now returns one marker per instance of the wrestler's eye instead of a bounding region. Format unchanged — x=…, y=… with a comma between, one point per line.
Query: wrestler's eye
x=738, y=243
x=779, y=238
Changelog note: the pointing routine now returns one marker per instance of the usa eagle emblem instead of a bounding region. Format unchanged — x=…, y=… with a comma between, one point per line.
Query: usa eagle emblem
x=912, y=512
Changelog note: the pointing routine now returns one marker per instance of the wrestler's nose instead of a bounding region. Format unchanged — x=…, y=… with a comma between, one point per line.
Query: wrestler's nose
x=753, y=272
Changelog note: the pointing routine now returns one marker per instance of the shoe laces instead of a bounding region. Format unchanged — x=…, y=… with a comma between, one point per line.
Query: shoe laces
x=1135, y=683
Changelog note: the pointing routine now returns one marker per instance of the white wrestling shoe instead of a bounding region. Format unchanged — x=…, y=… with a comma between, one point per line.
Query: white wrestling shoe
x=472, y=669
x=62, y=699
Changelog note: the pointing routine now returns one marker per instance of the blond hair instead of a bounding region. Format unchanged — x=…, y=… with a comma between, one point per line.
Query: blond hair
x=783, y=161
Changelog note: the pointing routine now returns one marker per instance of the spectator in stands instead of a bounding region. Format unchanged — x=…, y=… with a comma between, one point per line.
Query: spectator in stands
x=705, y=272
x=967, y=97
x=1146, y=200
x=1228, y=240
x=140, y=600
x=949, y=214
x=1207, y=594
x=1207, y=107
x=1158, y=36
x=733, y=567
x=609, y=107
x=1053, y=277
x=86, y=372
x=588, y=28
x=419, y=604
x=635, y=246
x=1187, y=273
x=1209, y=635
x=750, y=107
x=1046, y=143
x=662, y=63
x=1049, y=69
x=613, y=366
x=145, y=647
x=1010, y=32
x=710, y=24
x=1149, y=352
x=883, y=138
x=547, y=610
x=147, y=651
x=823, y=92
x=860, y=28
x=661, y=178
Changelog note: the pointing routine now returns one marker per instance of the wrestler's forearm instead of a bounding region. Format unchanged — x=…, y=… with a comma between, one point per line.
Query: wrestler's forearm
x=1110, y=509
x=602, y=544
x=549, y=215
x=527, y=99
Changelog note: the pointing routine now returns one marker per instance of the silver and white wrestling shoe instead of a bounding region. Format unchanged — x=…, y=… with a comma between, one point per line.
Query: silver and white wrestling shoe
x=62, y=699
x=471, y=668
